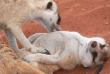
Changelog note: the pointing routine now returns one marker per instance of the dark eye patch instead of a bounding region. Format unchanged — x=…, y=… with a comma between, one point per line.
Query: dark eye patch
x=49, y=5
x=94, y=56
x=102, y=46
x=59, y=19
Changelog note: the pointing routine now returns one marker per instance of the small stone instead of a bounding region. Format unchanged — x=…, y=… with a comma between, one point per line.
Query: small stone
x=107, y=23
x=83, y=9
x=76, y=5
x=105, y=17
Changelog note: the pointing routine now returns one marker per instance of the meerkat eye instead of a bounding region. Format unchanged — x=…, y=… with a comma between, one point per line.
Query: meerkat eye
x=93, y=44
x=59, y=19
x=102, y=46
x=49, y=5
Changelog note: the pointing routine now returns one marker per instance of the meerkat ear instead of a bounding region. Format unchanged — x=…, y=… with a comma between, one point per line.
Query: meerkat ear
x=49, y=5
x=93, y=44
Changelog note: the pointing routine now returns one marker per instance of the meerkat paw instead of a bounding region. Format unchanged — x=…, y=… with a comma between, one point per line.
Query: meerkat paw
x=29, y=58
x=40, y=50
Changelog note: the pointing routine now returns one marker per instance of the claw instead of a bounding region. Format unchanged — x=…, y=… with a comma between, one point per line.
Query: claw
x=47, y=52
x=25, y=60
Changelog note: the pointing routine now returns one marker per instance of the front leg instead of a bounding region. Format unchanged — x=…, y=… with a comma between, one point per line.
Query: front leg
x=35, y=36
x=17, y=32
x=12, y=40
x=42, y=58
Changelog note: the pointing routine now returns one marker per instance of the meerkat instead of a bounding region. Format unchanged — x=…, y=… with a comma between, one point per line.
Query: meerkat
x=10, y=63
x=66, y=51
x=14, y=13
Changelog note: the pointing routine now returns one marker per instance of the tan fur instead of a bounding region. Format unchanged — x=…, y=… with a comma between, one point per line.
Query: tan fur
x=11, y=64
x=14, y=13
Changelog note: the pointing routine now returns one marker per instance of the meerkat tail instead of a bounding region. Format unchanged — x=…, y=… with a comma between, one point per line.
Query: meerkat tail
x=26, y=68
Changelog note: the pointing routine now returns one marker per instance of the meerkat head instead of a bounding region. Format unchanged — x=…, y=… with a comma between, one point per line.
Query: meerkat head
x=48, y=15
x=97, y=52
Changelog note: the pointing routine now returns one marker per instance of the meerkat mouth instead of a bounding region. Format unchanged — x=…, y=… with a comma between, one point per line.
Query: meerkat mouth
x=56, y=28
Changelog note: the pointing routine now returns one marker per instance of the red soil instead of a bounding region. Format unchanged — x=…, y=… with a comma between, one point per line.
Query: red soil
x=91, y=18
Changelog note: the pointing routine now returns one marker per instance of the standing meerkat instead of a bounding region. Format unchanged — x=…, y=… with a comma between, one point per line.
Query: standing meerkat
x=67, y=50
x=13, y=13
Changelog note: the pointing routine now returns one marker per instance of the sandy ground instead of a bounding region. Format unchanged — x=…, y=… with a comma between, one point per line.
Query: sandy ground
x=91, y=18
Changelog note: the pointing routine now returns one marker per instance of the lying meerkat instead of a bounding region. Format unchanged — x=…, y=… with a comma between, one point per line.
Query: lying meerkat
x=10, y=63
x=13, y=13
x=67, y=50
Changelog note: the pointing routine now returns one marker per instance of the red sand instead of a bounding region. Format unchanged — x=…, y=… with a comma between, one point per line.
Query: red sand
x=91, y=18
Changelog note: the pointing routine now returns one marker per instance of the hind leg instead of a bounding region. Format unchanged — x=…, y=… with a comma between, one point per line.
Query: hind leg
x=43, y=58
